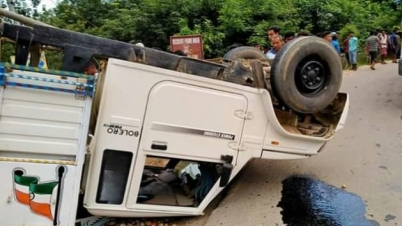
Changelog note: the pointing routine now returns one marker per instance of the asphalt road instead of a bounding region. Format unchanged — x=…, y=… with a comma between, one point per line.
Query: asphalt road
x=366, y=157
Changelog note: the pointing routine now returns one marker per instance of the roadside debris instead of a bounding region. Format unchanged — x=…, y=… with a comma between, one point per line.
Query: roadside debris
x=109, y=221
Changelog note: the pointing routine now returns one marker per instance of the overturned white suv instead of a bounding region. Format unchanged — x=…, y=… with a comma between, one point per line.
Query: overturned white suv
x=168, y=132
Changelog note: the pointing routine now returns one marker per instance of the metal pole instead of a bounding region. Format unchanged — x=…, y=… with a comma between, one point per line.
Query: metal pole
x=22, y=19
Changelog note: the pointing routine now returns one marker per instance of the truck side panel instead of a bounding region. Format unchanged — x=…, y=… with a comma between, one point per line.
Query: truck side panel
x=42, y=146
x=31, y=124
x=28, y=194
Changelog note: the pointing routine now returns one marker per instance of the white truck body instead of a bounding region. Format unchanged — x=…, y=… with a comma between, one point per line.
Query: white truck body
x=141, y=113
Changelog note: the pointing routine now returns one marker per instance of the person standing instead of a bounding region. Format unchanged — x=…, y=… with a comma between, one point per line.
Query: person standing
x=384, y=43
x=335, y=42
x=398, y=49
x=345, y=45
x=326, y=35
x=266, y=49
x=90, y=69
x=289, y=37
x=372, y=44
x=277, y=44
x=273, y=31
x=393, y=45
x=379, y=47
x=257, y=46
x=353, y=50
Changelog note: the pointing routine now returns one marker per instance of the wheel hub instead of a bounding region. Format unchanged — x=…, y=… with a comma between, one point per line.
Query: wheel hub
x=312, y=77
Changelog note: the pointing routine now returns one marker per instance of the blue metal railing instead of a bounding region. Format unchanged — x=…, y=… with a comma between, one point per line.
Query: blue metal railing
x=85, y=89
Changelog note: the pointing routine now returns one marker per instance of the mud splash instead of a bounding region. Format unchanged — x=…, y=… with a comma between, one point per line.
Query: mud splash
x=310, y=202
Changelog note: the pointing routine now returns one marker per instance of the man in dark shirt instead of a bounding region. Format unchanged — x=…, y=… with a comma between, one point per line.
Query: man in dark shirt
x=393, y=45
x=289, y=36
x=372, y=46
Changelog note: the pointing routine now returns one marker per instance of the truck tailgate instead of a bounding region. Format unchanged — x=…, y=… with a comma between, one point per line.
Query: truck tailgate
x=44, y=121
x=39, y=122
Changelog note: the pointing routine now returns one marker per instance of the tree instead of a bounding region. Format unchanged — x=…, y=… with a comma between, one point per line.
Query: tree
x=23, y=7
x=221, y=22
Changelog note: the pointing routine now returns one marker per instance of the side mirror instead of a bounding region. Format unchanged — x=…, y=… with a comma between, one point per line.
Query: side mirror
x=226, y=170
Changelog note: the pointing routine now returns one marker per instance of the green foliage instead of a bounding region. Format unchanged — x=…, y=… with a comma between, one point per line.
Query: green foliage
x=212, y=38
x=221, y=22
x=349, y=28
x=7, y=50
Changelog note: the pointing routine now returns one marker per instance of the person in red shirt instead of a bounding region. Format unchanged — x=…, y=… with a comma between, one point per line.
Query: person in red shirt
x=345, y=45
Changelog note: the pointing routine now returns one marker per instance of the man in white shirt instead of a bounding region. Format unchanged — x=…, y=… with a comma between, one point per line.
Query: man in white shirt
x=277, y=44
x=384, y=43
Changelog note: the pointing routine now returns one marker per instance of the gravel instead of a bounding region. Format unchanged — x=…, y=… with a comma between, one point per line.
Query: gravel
x=140, y=222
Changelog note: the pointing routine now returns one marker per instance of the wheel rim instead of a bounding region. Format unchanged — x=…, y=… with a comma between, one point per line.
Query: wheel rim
x=311, y=76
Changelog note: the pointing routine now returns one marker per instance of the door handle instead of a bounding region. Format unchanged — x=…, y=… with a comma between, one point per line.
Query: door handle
x=159, y=146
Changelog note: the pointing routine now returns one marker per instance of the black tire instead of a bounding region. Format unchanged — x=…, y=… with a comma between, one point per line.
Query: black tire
x=256, y=75
x=243, y=52
x=306, y=74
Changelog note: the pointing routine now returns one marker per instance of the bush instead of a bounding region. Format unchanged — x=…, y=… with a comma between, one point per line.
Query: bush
x=348, y=28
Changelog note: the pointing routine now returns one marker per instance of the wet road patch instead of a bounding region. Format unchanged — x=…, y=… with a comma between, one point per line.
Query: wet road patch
x=310, y=202
x=389, y=217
